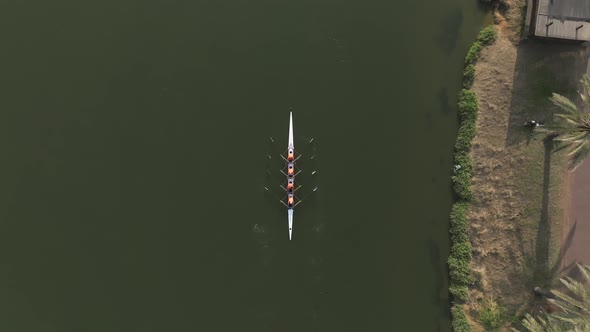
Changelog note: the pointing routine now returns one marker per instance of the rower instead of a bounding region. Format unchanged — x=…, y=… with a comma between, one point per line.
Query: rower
x=290, y=201
x=290, y=186
x=290, y=156
x=291, y=170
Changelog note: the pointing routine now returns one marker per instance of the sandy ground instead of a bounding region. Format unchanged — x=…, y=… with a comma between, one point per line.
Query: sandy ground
x=498, y=198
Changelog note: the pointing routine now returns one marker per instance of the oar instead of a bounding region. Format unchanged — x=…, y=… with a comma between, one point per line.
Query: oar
x=304, y=198
x=280, y=200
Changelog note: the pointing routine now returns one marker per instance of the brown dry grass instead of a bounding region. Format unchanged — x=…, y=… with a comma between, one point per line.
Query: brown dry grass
x=518, y=187
x=512, y=20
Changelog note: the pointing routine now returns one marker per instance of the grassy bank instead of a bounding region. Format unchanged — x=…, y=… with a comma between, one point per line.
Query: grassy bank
x=516, y=208
x=459, y=269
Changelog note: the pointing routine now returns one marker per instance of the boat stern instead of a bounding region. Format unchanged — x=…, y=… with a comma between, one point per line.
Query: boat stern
x=290, y=211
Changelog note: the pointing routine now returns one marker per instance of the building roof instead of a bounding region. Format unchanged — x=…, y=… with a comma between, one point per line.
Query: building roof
x=577, y=10
x=567, y=19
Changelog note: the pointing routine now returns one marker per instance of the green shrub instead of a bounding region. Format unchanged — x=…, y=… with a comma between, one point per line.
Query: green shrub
x=473, y=52
x=462, y=158
x=459, y=271
x=468, y=76
x=462, y=185
x=468, y=105
x=459, y=293
x=491, y=314
x=464, y=138
x=459, y=229
x=460, y=323
x=461, y=250
x=458, y=214
x=487, y=35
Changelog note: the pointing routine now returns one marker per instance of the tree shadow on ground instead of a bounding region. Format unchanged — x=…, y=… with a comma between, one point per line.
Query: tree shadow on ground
x=538, y=260
x=539, y=270
x=542, y=68
x=550, y=272
x=542, y=243
x=545, y=273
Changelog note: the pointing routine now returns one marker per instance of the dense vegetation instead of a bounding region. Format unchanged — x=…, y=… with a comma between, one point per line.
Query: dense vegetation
x=459, y=270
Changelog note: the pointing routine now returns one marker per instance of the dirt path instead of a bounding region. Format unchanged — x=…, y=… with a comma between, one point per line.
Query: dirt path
x=575, y=242
x=576, y=235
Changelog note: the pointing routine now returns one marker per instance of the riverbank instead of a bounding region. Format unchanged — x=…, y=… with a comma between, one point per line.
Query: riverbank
x=518, y=185
x=461, y=251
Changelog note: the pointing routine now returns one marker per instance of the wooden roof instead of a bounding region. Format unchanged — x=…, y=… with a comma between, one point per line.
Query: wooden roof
x=567, y=19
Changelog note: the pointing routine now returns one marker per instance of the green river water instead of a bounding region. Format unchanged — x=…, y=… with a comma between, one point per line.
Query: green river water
x=134, y=138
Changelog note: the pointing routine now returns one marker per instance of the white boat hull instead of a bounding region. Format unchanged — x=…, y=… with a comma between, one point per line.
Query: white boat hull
x=291, y=142
x=290, y=212
x=291, y=150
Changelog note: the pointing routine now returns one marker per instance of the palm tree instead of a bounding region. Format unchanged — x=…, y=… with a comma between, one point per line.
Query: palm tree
x=573, y=126
x=574, y=310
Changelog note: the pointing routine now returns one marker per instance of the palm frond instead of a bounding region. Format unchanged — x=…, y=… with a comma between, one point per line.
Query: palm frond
x=585, y=271
x=579, y=289
x=532, y=324
x=585, y=94
x=566, y=302
x=575, y=308
x=564, y=103
x=572, y=137
x=573, y=125
x=573, y=120
x=554, y=128
x=579, y=154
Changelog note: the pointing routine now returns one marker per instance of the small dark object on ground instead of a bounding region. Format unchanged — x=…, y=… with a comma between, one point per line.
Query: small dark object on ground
x=533, y=123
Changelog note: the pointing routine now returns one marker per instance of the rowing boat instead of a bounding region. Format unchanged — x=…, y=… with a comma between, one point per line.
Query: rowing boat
x=290, y=171
x=290, y=176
